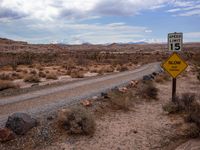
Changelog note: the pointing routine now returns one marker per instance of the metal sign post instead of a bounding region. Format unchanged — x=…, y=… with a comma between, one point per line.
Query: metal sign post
x=174, y=90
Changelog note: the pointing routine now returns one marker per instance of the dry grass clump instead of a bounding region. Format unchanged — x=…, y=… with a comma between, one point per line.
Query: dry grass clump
x=5, y=76
x=198, y=75
x=122, y=68
x=120, y=100
x=194, y=115
x=34, y=72
x=190, y=107
x=7, y=85
x=75, y=73
x=42, y=74
x=52, y=76
x=184, y=103
x=171, y=108
x=17, y=75
x=107, y=69
x=32, y=79
x=162, y=78
x=69, y=64
x=77, y=120
x=148, y=90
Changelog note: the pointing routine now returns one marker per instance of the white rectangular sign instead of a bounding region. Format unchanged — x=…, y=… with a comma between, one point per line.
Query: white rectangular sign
x=175, y=41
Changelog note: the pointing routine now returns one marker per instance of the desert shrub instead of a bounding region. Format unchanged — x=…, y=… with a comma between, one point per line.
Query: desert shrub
x=16, y=76
x=120, y=100
x=122, y=68
x=77, y=120
x=47, y=71
x=185, y=103
x=19, y=70
x=42, y=74
x=7, y=85
x=33, y=72
x=32, y=79
x=107, y=69
x=69, y=64
x=5, y=76
x=194, y=114
x=198, y=75
x=171, y=108
x=148, y=90
x=76, y=74
x=162, y=78
x=51, y=76
x=193, y=131
x=25, y=71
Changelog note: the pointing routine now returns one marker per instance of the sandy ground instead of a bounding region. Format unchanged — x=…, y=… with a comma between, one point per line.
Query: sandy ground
x=147, y=127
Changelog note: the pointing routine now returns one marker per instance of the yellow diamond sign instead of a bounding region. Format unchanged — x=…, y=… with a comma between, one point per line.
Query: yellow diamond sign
x=174, y=65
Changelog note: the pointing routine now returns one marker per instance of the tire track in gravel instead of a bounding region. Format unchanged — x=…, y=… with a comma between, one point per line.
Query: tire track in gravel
x=50, y=99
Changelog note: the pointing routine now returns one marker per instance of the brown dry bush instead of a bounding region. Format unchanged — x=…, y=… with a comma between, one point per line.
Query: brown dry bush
x=5, y=76
x=148, y=90
x=198, y=75
x=194, y=114
x=7, y=85
x=32, y=79
x=17, y=75
x=51, y=76
x=107, y=69
x=76, y=74
x=122, y=68
x=42, y=74
x=120, y=100
x=170, y=107
x=77, y=120
x=34, y=72
x=185, y=103
x=162, y=78
x=69, y=64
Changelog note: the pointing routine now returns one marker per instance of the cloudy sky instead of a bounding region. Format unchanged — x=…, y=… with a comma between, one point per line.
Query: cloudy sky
x=98, y=21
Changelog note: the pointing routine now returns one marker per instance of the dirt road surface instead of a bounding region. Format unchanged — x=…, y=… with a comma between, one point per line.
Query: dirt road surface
x=50, y=99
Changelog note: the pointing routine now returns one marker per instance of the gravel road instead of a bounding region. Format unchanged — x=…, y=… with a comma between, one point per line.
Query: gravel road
x=50, y=99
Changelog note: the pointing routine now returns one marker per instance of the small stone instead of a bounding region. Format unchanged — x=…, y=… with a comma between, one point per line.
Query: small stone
x=6, y=135
x=147, y=78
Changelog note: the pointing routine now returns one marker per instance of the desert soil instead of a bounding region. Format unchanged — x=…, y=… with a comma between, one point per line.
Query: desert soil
x=145, y=127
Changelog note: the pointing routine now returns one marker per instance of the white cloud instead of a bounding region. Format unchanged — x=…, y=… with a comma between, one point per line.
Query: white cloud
x=186, y=8
x=53, y=9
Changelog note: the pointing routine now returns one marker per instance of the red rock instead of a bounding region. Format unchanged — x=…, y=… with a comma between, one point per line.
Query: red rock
x=6, y=135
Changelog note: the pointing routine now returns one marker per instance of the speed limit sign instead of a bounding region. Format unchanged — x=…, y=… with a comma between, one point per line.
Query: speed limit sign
x=175, y=41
